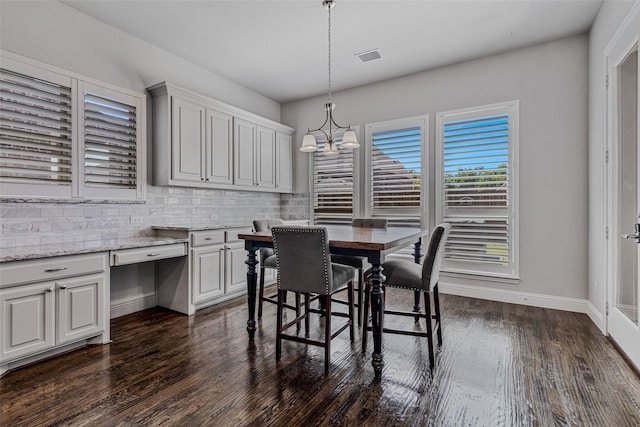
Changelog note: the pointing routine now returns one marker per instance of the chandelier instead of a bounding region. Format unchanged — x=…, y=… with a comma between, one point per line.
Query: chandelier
x=349, y=141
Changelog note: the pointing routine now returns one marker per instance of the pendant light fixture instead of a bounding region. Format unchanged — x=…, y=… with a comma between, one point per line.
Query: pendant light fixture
x=349, y=140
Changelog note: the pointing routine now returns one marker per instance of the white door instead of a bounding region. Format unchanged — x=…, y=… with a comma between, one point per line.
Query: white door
x=624, y=101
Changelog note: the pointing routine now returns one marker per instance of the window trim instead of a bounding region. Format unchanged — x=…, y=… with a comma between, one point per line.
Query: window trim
x=512, y=108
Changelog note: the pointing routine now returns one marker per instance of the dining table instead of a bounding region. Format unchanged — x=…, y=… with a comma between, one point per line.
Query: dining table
x=372, y=243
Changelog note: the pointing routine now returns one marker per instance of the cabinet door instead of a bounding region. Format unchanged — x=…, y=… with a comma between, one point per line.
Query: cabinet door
x=208, y=273
x=219, y=148
x=266, y=158
x=81, y=302
x=284, y=171
x=187, y=140
x=236, y=269
x=244, y=153
x=27, y=314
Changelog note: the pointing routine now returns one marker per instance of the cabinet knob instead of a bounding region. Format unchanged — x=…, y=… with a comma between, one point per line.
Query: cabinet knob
x=62, y=286
x=49, y=290
x=53, y=270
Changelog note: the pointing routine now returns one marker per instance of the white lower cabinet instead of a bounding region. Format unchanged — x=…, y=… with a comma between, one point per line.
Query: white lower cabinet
x=235, y=269
x=28, y=320
x=208, y=273
x=218, y=269
x=80, y=308
x=39, y=316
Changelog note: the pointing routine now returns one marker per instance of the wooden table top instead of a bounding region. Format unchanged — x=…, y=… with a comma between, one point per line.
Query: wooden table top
x=345, y=236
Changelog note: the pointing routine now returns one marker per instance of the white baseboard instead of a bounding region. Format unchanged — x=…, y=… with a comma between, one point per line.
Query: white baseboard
x=596, y=317
x=515, y=297
x=128, y=307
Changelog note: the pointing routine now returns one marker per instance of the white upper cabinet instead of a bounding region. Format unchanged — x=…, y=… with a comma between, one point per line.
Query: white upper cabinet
x=219, y=147
x=244, y=143
x=187, y=136
x=201, y=142
x=284, y=169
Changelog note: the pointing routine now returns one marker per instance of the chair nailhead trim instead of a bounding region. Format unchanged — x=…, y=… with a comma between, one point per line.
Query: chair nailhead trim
x=324, y=251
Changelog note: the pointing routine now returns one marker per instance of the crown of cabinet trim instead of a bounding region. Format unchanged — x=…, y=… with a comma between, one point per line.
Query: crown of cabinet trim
x=166, y=88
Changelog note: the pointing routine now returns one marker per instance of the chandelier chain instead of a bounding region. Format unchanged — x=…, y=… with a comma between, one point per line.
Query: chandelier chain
x=329, y=62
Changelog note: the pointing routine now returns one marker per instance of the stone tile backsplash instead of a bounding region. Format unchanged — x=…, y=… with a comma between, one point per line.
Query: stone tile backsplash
x=36, y=223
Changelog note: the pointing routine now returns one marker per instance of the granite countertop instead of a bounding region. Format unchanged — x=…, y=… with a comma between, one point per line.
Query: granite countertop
x=197, y=227
x=21, y=253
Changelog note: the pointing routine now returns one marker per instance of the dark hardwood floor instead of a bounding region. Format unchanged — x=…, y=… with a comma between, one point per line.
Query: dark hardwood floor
x=500, y=365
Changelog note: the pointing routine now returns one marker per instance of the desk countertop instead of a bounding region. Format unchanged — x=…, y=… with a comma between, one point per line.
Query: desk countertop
x=21, y=253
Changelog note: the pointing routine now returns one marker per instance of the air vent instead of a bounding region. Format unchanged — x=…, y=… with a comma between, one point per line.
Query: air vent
x=370, y=55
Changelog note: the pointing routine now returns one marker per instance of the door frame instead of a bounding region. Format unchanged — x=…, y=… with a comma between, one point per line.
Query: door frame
x=624, y=40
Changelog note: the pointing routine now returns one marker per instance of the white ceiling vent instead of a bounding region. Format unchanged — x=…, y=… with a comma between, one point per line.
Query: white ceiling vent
x=370, y=55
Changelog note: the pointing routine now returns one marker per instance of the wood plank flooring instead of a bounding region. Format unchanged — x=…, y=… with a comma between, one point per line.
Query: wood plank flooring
x=500, y=365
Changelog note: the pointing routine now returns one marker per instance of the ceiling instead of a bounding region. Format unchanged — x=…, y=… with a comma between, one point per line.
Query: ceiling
x=279, y=48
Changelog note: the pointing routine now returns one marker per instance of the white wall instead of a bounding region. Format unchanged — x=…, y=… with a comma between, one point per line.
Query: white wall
x=550, y=80
x=607, y=22
x=59, y=35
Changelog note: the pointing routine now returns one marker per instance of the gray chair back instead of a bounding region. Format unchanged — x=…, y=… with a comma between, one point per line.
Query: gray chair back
x=369, y=222
x=435, y=252
x=265, y=225
x=303, y=260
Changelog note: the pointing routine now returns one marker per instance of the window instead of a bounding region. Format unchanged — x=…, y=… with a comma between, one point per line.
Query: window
x=110, y=143
x=333, y=185
x=477, y=189
x=61, y=136
x=395, y=171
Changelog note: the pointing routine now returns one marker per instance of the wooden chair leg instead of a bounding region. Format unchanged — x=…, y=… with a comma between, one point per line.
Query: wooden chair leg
x=360, y=291
x=282, y=295
x=261, y=292
x=436, y=307
x=365, y=322
x=352, y=332
x=327, y=333
x=416, y=304
x=427, y=309
x=306, y=314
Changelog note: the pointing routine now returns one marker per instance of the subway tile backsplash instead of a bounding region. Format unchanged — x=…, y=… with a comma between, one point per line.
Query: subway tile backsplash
x=44, y=222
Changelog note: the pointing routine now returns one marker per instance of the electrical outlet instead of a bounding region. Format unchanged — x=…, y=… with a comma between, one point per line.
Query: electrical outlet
x=135, y=220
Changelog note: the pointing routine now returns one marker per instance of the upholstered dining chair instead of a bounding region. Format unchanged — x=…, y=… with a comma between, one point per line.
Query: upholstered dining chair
x=304, y=266
x=417, y=278
x=358, y=262
x=267, y=259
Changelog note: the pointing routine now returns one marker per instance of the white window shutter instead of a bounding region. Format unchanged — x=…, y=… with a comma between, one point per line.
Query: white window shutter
x=110, y=143
x=333, y=189
x=396, y=175
x=36, y=133
x=476, y=187
x=395, y=161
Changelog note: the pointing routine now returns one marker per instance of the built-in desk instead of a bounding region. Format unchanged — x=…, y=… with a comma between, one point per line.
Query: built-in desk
x=54, y=298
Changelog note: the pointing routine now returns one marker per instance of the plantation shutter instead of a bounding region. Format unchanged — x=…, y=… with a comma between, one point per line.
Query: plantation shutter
x=333, y=186
x=110, y=143
x=35, y=130
x=396, y=175
x=476, y=189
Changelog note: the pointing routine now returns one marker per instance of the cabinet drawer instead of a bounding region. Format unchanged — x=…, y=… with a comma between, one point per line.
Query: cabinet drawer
x=232, y=234
x=204, y=238
x=133, y=256
x=19, y=272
